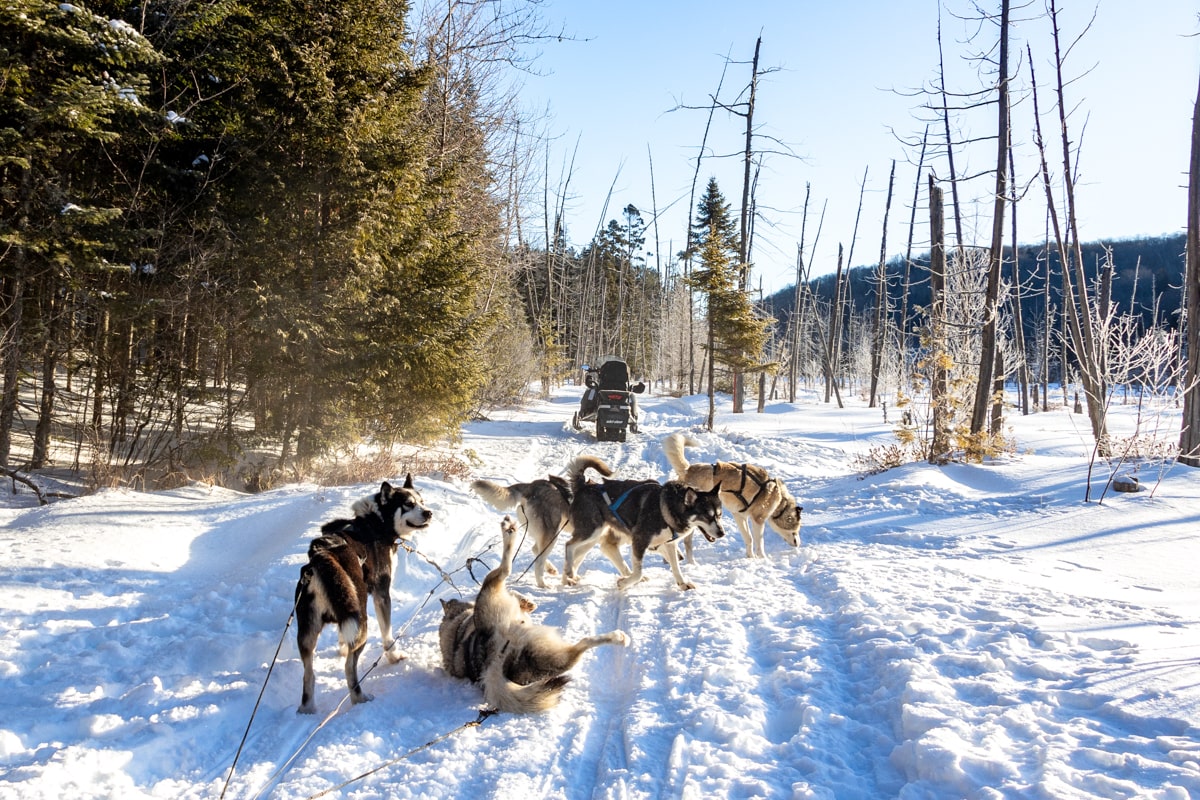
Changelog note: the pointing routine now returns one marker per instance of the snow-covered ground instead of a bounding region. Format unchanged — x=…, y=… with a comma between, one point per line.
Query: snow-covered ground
x=972, y=631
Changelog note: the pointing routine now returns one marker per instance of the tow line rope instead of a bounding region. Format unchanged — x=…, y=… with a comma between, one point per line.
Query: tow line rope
x=258, y=702
x=475, y=723
x=445, y=577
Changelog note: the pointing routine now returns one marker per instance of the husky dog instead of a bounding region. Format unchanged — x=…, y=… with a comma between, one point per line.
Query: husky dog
x=351, y=560
x=493, y=641
x=647, y=514
x=543, y=509
x=748, y=492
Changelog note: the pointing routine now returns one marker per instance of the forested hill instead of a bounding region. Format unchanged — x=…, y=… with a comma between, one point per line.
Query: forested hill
x=1147, y=280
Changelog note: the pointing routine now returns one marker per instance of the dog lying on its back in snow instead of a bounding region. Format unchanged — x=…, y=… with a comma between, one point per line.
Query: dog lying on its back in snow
x=351, y=560
x=748, y=492
x=492, y=641
x=647, y=514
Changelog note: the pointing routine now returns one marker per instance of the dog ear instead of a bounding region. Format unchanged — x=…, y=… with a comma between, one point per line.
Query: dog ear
x=689, y=496
x=408, y=484
x=385, y=491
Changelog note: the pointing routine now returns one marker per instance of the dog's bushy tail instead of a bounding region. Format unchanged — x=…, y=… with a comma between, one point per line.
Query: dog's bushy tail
x=577, y=470
x=673, y=447
x=501, y=498
x=514, y=698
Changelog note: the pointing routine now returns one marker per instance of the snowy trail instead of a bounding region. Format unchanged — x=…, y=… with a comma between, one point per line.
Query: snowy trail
x=964, y=631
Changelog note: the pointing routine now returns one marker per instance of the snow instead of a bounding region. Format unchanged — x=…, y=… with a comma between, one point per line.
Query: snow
x=970, y=631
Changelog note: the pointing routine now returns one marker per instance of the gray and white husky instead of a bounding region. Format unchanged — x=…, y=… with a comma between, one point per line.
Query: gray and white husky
x=645, y=513
x=493, y=641
x=543, y=508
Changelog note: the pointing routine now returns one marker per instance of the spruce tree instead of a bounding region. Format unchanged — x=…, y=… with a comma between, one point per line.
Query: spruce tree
x=736, y=335
x=72, y=83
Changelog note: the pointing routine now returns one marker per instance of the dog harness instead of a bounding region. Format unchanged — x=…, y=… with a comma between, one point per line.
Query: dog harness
x=739, y=493
x=613, y=505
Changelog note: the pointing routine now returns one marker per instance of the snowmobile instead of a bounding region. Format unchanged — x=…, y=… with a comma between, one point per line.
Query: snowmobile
x=609, y=400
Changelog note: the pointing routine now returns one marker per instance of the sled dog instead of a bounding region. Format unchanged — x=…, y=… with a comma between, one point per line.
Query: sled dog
x=646, y=514
x=494, y=642
x=748, y=492
x=351, y=560
x=543, y=509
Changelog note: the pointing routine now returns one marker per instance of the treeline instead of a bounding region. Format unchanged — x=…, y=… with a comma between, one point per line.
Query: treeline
x=1146, y=284
x=291, y=228
x=226, y=225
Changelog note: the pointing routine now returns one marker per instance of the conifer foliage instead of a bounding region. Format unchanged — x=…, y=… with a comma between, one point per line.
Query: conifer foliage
x=736, y=335
x=226, y=227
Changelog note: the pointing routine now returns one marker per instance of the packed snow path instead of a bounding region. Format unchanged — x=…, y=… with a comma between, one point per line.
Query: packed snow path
x=966, y=631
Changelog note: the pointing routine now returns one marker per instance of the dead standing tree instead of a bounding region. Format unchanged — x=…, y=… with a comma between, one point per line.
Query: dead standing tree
x=878, y=332
x=1189, y=435
x=987, y=355
x=1078, y=307
x=939, y=447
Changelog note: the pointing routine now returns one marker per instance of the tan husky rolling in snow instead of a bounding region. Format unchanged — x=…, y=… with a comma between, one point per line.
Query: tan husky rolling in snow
x=521, y=665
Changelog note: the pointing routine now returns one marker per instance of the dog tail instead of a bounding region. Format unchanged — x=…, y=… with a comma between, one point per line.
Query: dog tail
x=514, y=698
x=579, y=466
x=501, y=498
x=673, y=447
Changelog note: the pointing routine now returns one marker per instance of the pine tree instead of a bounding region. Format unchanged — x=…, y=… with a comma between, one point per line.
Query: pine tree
x=736, y=335
x=71, y=84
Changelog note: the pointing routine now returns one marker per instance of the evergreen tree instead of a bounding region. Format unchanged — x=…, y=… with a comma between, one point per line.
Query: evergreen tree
x=736, y=334
x=362, y=303
x=72, y=82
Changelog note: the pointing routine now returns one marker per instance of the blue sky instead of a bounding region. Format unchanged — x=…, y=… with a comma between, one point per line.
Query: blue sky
x=837, y=97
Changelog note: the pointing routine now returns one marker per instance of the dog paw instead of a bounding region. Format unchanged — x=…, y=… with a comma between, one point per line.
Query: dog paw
x=686, y=586
x=362, y=697
x=629, y=580
x=550, y=570
x=394, y=656
x=311, y=708
x=570, y=580
x=621, y=638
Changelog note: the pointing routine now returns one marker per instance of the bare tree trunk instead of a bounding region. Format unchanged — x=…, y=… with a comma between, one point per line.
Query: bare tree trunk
x=881, y=299
x=1189, y=435
x=1022, y=364
x=997, y=419
x=739, y=388
x=940, y=444
x=50, y=345
x=907, y=289
x=10, y=353
x=1078, y=310
x=987, y=357
x=833, y=341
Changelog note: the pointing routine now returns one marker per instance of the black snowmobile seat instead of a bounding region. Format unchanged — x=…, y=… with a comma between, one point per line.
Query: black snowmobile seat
x=614, y=375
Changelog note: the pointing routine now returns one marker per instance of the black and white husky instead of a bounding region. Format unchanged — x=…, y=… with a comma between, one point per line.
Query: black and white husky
x=647, y=514
x=351, y=560
x=493, y=641
x=543, y=508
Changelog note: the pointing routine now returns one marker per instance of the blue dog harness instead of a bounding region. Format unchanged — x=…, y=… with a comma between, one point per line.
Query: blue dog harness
x=613, y=506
